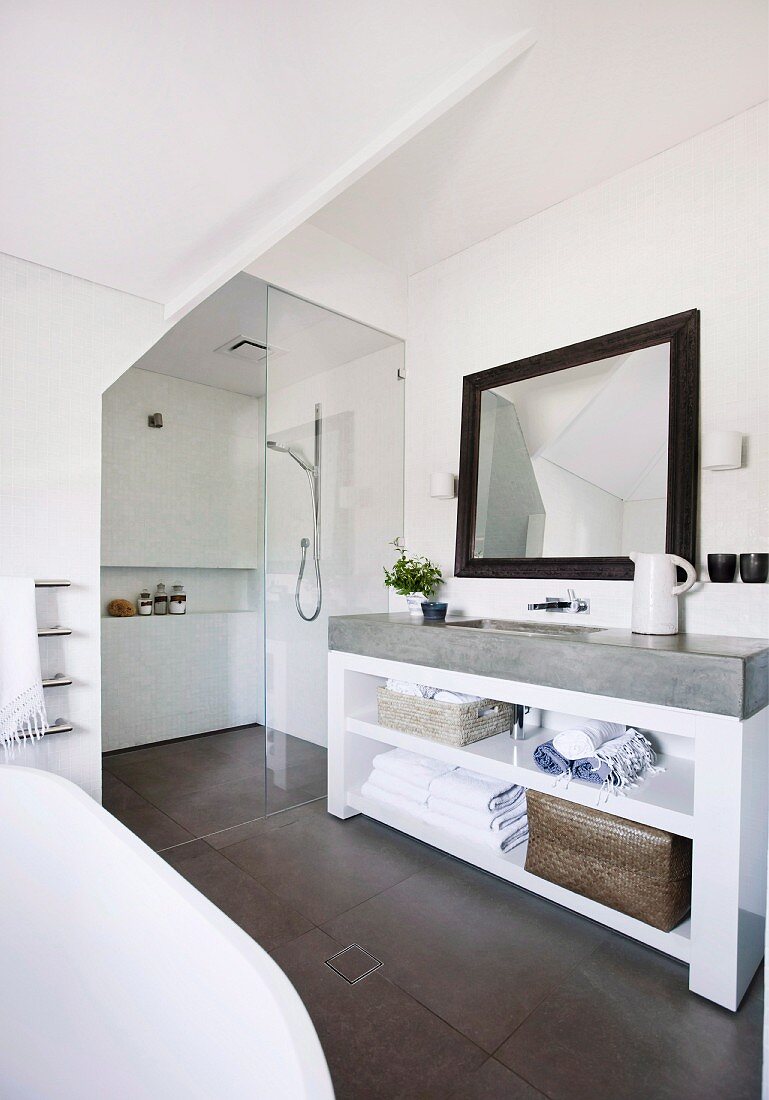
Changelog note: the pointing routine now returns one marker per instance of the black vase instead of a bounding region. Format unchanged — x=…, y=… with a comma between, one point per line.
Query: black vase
x=754, y=568
x=721, y=567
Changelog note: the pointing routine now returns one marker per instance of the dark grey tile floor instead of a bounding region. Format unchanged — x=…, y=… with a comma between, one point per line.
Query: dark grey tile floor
x=178, y=790
x=485, y=991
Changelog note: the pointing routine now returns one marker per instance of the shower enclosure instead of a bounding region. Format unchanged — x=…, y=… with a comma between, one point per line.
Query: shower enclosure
x=270, y=492
x=334, y=405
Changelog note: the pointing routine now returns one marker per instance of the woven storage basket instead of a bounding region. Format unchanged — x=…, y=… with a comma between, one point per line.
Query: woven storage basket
x=641, y=871
x=448, y=723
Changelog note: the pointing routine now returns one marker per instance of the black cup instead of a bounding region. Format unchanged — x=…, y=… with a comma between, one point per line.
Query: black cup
x=721, y=567
x=433, y=611
x=754, y=568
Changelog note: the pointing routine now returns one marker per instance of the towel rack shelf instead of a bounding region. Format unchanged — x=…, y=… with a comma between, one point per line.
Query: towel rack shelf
x=52, y=584
x=53, y=631
x=57, y=682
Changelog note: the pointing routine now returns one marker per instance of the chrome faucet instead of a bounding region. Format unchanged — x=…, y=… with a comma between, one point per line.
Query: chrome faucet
x=573, y=606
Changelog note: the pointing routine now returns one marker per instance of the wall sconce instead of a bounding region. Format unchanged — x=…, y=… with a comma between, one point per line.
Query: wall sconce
x=722, y=450
x=442, y=486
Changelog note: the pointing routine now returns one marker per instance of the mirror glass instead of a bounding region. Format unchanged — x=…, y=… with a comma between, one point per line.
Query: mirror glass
x=574, y=463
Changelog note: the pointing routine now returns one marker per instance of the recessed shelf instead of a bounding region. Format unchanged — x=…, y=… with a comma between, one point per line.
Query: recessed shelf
x=186, y=615
x=510, y=866
x=664, y=800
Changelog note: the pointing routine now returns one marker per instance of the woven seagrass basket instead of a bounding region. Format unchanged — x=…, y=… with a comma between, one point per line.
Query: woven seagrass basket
x=639, y=870
x=448, y=723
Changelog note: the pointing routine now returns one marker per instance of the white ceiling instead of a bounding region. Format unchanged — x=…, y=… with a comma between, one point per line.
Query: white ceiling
x=145, y=145
x=607, y=84
x=143, y=142
x=304, y=340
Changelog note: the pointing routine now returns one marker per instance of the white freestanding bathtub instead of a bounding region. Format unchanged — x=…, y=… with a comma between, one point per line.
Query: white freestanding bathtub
x=119, y=980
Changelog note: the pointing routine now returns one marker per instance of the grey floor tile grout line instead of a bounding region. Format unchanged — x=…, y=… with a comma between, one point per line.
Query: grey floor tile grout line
x=228, y=828
x=546, y=997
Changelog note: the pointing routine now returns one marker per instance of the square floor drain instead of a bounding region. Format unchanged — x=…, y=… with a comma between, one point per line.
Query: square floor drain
x=353, y=963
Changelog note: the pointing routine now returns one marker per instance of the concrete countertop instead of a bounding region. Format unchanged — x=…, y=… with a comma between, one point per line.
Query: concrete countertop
x=713, y=674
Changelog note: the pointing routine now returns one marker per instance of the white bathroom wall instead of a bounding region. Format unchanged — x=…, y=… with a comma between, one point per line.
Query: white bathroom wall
x=181, y=504
x=361, y=512
x=184, y=495
x=686, y=229
x=62, y=342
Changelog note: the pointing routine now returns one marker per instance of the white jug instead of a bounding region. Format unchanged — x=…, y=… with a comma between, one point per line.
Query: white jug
x=655, y=592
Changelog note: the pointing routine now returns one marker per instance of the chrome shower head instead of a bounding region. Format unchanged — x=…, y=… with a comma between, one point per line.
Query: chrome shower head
x=284, y=449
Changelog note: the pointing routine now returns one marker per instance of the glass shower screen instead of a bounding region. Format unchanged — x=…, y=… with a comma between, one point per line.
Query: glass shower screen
x=333, y=479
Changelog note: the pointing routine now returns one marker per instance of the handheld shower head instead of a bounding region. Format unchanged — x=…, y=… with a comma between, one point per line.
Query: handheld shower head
x=284, y=449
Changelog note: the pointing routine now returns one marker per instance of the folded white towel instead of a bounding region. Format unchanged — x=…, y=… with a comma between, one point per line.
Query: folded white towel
x=405, y=687
x=389, y=798
x=454, y=697
x=424, y=691
x=585, y=740
x=22, y=705
x=496, y=820
x=396, y=784
x=503, y=840
x=418, y=770
x=479, y=792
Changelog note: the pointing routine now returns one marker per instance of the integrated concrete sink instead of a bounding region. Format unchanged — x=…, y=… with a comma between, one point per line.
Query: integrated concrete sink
x=512, y=626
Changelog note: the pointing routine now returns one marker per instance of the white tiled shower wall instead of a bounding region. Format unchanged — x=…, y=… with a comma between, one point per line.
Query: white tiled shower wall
x=686, y=229
x=181, y=504
x=62, y=342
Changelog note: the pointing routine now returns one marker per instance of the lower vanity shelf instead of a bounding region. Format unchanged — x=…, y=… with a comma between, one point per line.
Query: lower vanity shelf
x=510, y=866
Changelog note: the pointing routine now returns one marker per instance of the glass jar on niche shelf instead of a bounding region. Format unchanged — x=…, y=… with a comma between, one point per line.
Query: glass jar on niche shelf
x=177, y=605
x=161, y=599
x=145, y=602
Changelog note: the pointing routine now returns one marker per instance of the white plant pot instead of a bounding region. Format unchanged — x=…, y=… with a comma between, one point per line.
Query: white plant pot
x=415, y=604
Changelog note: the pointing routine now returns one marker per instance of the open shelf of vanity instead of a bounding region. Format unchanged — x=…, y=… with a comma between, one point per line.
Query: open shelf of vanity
x=713, y=789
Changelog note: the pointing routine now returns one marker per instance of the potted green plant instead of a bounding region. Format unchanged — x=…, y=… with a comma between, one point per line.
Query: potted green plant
x=415, y=578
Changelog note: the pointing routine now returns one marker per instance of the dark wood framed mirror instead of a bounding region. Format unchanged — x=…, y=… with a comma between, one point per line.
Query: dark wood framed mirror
x=575, y=458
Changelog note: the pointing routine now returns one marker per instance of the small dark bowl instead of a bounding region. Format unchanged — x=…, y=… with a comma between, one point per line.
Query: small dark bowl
x=434, y=612
x=722, y=567
x=754, y=568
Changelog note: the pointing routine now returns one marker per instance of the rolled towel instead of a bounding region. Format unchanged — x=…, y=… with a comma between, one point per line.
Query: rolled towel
x=442, y=696
x=420, y=771
x=389, y=798
x=396, y=784
x=405, y=687
x=628, y=757
x=503, y=840
x=592, y=769
x=478, y=792
x=548, y=759
x=586, y=740
x=496, y=820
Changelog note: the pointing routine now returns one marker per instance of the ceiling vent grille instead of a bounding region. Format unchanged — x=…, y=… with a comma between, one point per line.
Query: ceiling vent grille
x=252, y=351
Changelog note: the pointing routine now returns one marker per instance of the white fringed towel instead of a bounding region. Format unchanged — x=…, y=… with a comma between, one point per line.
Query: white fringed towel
x=586, y=740
x=22, y=705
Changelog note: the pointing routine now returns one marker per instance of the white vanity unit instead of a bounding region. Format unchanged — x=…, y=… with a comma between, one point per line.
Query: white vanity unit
x=702, y=702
